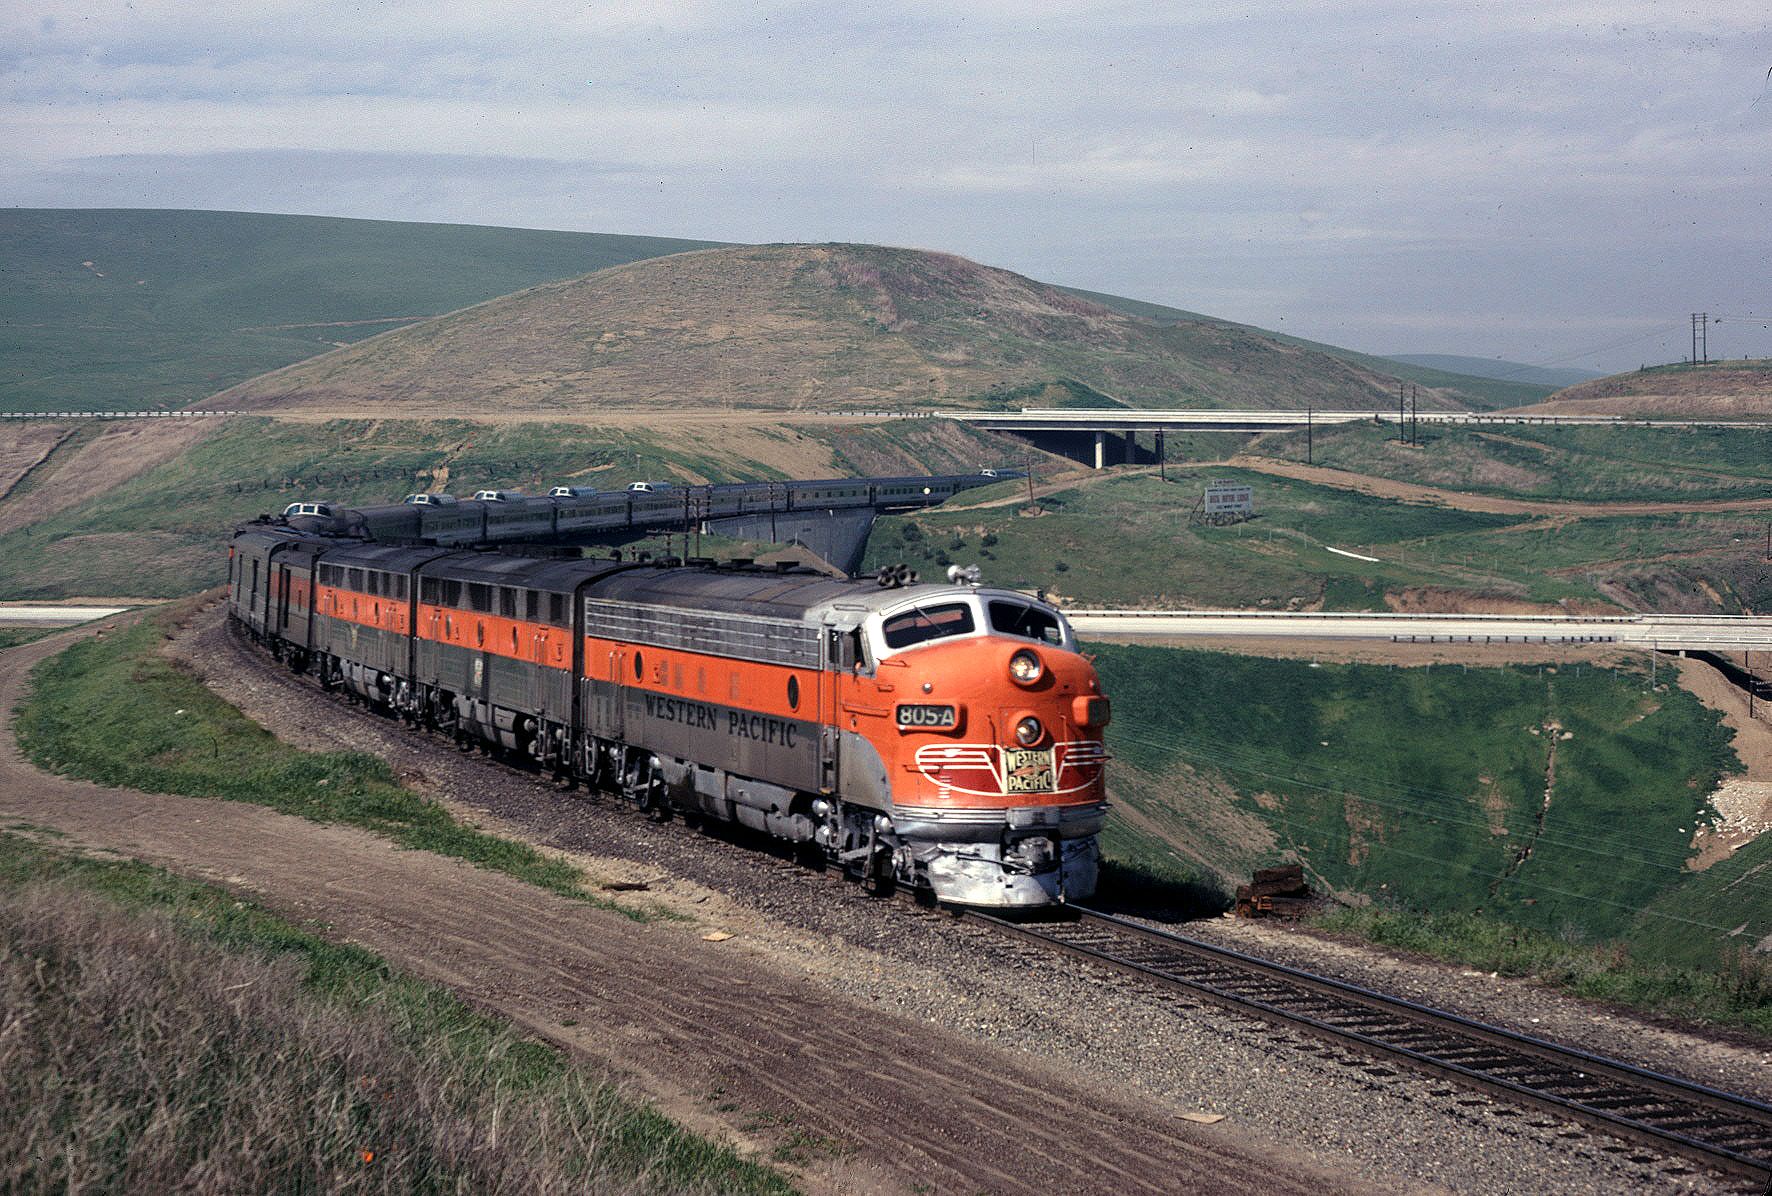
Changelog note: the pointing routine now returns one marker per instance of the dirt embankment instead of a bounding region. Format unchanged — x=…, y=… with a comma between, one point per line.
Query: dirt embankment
x=1716, y=390
x=904, y=1105
x=1743, y=803
x=76, y=469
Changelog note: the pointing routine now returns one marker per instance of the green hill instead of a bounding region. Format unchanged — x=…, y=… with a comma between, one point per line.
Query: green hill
x=811, y=326
x=1558, y=798
x=1468, y=389
x=1494, y=367
x=129, y=309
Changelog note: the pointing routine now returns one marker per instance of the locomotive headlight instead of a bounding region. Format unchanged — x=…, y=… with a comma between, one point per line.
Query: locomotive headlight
x=1029, y=730
x=1025, y=667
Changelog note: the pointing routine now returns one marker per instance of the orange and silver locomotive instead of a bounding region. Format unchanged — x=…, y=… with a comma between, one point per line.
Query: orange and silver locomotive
x=944, y=737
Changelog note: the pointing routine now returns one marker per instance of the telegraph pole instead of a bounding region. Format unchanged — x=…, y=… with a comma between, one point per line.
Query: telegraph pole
x=1162, y=459
x=1310, y=452
x=1414, y=418
x=1700, y=337
x=1401, y=424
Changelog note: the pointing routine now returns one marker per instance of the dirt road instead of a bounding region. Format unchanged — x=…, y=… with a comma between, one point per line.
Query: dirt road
x=1322, y=475
x=720, y=1041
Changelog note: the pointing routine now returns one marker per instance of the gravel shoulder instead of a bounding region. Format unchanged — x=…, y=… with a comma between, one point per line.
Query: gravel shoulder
x=872, y=1095
x=1375, y=1125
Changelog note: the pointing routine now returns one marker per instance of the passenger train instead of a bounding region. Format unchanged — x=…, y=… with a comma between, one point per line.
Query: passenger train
x=568, y=512
x=946, y=738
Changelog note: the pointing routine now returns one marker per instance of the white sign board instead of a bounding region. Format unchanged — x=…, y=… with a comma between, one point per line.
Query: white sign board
x=1226, y=498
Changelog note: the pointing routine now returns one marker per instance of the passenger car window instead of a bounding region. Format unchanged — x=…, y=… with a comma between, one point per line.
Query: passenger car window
x=1027, y=622
x=922, y=624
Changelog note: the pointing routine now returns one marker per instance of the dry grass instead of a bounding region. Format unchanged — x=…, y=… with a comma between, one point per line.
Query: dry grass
x=798, y=328
x=136, y=1057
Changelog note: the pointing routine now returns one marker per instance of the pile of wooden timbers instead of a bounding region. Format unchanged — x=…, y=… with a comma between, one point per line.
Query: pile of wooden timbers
x=1277, y=891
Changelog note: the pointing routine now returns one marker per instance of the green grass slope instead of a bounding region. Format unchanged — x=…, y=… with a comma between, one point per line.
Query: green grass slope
x=1562, y=799
x=107, y=309
x=1127, y=539
x=164, y=531
x=811, y=326
x=1473, y=390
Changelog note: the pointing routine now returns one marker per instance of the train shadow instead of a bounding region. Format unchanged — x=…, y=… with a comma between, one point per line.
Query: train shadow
x=1140, y=892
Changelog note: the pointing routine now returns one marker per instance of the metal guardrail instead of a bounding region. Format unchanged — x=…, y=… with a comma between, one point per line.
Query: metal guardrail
x=1661, y=632
x=117, y=414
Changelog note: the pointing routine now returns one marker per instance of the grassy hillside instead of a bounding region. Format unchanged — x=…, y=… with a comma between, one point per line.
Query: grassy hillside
x=1560, y=799
x=1495, y=368
x=1580, y=464
x=1472, y=389
x=1126, y=539
x=162, y=532
x=127, y=309
x=810, y=326
x=1715, y=390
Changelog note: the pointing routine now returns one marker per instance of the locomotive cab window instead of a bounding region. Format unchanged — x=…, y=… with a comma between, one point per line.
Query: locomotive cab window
x=1026, y=622
x=924, y=623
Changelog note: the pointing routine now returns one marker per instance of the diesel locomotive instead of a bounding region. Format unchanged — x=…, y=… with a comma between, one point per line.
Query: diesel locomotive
x=942, y=737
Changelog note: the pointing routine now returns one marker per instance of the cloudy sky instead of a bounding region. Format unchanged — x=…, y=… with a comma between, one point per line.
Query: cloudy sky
x=1548, y=182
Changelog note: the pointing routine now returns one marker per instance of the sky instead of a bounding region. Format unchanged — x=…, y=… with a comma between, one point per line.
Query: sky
x=1552, y=183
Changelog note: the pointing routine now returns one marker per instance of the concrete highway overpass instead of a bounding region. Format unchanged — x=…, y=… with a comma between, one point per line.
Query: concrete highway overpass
x=1109, y=436
x=1669, y=633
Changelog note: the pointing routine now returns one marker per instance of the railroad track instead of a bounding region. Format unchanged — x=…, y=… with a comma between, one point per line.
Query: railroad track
x=1727, y=1132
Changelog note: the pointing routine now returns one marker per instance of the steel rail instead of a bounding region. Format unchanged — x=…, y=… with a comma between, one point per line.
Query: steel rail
x=1720, y=1129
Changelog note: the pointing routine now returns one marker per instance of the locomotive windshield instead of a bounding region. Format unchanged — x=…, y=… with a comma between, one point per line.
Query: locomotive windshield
x=1027, y=622
x=921, y=624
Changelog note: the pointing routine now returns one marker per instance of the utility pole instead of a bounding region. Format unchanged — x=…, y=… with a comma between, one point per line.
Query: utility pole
x=1163, y=464
x=1030, y=479
x=1402, y=425
x=1700, y=337
x=1310, y=449
x=1414, y=417
x=1752, y=681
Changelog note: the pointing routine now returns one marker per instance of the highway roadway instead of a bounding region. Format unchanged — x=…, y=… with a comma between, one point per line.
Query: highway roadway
x=1124, y=420
x=1664, y=632
x=23, y=615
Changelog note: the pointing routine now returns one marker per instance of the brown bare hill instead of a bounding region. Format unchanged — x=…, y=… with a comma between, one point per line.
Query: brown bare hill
x=807, y=326
x=1715, y=390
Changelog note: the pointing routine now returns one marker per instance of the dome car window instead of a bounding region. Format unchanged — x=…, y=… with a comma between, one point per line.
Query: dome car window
x=921, y=624
x=1026, y=622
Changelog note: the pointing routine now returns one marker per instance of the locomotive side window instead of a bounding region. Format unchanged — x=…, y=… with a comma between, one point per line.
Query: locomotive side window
x=1026, y=622
x=921, y=624
x=507, y=602
x=357, y=580
x=428, y=591
x=532, y=606
x=452, y=593
x=557, y=610
x=480, y=597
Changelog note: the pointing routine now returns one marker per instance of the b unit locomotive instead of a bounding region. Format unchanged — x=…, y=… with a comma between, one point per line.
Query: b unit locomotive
x=945, y=737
